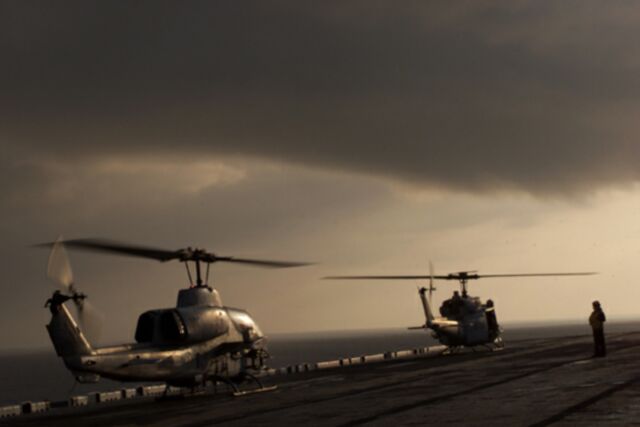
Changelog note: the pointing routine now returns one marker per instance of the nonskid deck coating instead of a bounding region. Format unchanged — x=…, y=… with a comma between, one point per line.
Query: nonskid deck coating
x=542, y=382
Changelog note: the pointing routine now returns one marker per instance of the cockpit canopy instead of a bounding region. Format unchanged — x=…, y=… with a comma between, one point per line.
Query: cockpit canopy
x=181, y=325
x=193, y=324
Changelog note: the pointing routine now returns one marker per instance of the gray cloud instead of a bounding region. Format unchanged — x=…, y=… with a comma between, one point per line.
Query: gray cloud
x=173, y=125
x=530, y=96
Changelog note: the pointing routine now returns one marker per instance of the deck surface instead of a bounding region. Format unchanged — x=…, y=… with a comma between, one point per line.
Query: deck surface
x=531, y=383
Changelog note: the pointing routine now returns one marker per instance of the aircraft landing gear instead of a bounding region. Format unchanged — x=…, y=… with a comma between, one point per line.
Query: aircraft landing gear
x=498, y=344
x=235, y=388
x=452, y=349
x=260, y=389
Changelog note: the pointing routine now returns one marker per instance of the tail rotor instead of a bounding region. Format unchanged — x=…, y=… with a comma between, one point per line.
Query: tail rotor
x=431, y=287
x=59, y=269
x=60, y=273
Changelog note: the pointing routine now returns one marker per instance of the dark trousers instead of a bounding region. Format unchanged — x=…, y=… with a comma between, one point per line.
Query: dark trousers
x=599, y=349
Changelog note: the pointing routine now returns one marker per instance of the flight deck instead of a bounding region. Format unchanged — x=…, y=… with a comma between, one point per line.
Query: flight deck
x=539, y=382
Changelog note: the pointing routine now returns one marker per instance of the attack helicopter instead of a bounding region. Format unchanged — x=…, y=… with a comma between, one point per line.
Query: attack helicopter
x=199, y=342
x=464, y=321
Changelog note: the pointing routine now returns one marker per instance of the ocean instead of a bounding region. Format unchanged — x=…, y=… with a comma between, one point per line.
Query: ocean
x=41, y=375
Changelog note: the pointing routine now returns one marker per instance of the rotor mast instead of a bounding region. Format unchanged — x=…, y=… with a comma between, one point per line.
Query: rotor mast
x=463, y=285
x=197, y=256
x=463, y=277
x=199, y=282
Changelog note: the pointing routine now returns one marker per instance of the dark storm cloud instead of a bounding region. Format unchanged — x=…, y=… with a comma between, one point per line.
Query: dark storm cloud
x=534, y=96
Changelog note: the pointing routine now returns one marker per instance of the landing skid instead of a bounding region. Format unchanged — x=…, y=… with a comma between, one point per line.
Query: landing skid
x=235, y=388
x=453, y=349
x=260, y=389
x=496, y=345
x=254, y=391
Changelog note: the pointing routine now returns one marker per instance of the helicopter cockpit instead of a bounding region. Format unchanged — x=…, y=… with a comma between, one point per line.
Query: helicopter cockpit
x=181, y=325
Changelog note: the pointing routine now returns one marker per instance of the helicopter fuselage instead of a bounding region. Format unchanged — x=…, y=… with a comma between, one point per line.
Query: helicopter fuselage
x=464, y=324
x=464, y=321
x=185, y=345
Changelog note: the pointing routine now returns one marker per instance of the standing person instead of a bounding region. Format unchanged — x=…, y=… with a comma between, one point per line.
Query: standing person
x=596, y=320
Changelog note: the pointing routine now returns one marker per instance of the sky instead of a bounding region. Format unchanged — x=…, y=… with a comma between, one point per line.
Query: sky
x=368, y=137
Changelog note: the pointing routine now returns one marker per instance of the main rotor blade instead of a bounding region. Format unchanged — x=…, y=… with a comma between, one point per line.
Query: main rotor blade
x=482, y=276
x=102, y=245
x=417, y=277
x=455, y=276
x=261, y=263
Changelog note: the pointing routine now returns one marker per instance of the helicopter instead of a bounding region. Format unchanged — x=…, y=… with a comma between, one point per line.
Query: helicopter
x=197, y=343
x=464, y=321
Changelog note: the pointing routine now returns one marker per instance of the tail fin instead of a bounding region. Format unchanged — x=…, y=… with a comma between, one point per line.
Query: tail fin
x=66, y=336
x=426, y=306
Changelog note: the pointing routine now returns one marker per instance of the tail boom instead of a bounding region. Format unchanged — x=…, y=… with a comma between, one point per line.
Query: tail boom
x=66, y=336
x=428, y=313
